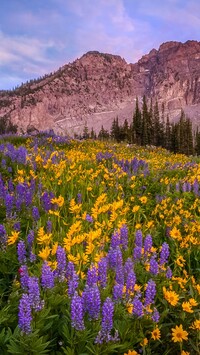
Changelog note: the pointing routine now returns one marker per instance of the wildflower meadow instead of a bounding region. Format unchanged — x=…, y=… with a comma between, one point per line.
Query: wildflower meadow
x=99, y=248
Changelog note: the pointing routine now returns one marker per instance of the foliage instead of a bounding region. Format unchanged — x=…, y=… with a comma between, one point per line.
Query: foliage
x=99, y=246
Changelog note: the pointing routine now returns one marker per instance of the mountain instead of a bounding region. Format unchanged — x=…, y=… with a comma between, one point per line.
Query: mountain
x=97, y=87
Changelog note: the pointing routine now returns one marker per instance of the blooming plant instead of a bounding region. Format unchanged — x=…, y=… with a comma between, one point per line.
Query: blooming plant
x=99, y=248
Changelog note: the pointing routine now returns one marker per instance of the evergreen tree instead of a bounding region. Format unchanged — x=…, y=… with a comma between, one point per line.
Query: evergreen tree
x=137, y=125
x=93, y=134
x=168, y=134
x=85, y=132
x=145, y=123
x=103, y=134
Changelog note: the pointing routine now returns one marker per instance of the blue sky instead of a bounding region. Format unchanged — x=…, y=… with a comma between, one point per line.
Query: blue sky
x=39, y=36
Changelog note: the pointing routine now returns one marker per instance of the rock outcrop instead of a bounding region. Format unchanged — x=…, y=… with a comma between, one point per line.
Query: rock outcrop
x=96, y=88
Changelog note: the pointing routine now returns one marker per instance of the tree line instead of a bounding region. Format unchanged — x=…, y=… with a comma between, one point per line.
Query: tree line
x=150, y=126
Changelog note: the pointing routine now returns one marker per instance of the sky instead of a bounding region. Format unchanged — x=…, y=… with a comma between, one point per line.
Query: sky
x=39, y=36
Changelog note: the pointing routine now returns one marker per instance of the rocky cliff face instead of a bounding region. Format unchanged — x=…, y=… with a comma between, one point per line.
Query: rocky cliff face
x=98, y=87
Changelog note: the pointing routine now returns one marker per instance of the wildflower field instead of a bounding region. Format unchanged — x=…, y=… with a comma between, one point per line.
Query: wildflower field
x=99, y=248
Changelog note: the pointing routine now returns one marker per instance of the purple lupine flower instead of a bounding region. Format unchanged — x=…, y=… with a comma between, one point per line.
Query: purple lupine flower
x=35, y=214
x=47, y=277
x=118, y=292
x=17, y=226
x=177, y=187
x=21, y=155
x=24, y=314
x=169, y=273
x=137, y=307
x=34, y=294
x=138, y=238
x=70, y=270
x=79, y=198
x=137, y=253
x=148, y=244
x=114, y=257
x=3, y=163
x=46, y=201
x=89, y=218
x=3, y=237
x=92, y=276
x=115, y=240
x=107, y=316
x=128, y=266
x=30, y=239
x=9, y=202
x=61, y=260
x=20, y=191
x=49, y=226
x=73, y=284
x=102, y=272
x=21, y=252
x=124, y=236
x=2, y=188
x=24, y=277
x=9, y=169
x=131, y=281
x=18, y=203
x=91, y=301
x=77, y=312
x=155, y=315
x=119, y=272
x=32, y=257
x=10, y=186
x=28, y=198
x=153, y=265
x=150, y=292
x=164, y=254
x=196, y=187
x=184, y=187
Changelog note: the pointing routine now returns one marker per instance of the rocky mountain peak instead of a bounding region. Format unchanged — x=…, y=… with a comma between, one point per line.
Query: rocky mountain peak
x=97, y=87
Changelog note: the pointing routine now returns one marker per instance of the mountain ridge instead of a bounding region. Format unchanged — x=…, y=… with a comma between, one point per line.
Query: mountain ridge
x=97, y=87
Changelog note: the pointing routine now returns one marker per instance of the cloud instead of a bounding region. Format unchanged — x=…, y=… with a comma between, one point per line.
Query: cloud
x=39, y=36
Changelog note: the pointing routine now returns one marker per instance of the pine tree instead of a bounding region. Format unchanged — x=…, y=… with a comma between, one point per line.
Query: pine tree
x=168, y=134
x=145, y=123
x=137, y=125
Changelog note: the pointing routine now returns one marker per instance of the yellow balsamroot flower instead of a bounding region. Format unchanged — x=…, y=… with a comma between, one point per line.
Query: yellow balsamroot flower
x=13, y=238
x=198, y=288
x=178, y=334
x=44, y=239
x=155, y=334
x=44, y=253
x=129, y=308
x=196, y=324
x=171, y=297
x=185, y=352
x=180, y=261
x=187, y=307
x=58, y=201
x=54, y=248
x=73, y=207
x=143, y=199
x=89, y=249
x=150, y=224
x=138, y=226
x=175, y=234
x=144, y=342
x=136, y=208
x=193, y=302
x=52, y=264
x=131, y=352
